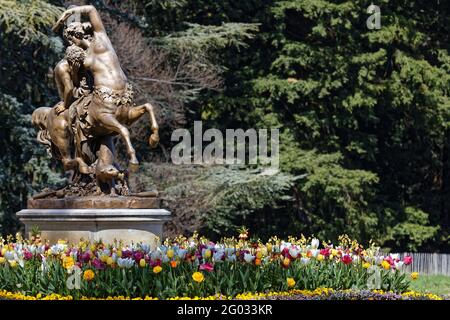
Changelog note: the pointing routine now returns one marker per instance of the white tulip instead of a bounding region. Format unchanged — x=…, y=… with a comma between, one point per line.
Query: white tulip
x=315, y=243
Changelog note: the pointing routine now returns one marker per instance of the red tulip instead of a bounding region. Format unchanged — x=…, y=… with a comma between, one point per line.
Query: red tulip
x=346, y=259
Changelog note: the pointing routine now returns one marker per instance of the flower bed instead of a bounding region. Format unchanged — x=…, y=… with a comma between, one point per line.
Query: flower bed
x=196, y=267
x=317, y=294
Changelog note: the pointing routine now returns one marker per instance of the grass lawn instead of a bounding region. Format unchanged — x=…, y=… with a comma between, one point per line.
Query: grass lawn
x=433, y=284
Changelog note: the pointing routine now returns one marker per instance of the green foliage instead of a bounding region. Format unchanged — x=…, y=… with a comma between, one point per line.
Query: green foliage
x=413, y=231
x=27, y=19
x=24, y=164
x=363, y=113
x=217, y=200
x=234, y=195
x=26, y=53
x=437, y=284
x=200, y=37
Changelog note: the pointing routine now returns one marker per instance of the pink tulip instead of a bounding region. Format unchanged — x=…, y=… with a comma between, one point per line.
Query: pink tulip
x=407, y=260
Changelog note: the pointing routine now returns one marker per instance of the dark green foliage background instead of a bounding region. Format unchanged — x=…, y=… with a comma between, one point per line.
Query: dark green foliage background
x=363, y=115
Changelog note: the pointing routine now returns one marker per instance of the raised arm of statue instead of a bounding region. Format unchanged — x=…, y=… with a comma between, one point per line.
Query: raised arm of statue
x=94, y=17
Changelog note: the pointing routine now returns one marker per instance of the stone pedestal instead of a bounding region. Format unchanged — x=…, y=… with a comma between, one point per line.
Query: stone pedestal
x=69, y=219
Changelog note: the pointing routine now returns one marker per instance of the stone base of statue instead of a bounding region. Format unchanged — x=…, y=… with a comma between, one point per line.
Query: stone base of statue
x=129, y=219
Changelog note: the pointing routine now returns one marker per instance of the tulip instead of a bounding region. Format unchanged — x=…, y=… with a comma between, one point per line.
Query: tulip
x=206, y=267
x=98, y=264
x=27, y=255
x=206, y=253
x=89, y=275
x=315, y=243
x=198, y=277
x=346, y=259
x=157, y=269
x=142, y=263
x=125, y=263
x=414, y=275
x=290, y=282
x=305, y=260
x=407, y=260
x=386, y=265
x=249, y=257
x=286, y=262
x=109, y=261
x=170, y=253
x=293, y=252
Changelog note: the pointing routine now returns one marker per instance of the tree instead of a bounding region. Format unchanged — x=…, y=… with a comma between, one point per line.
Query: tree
x=26, y=53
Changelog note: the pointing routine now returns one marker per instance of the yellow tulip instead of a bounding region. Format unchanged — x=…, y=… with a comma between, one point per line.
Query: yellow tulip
x=320, y=257
x=142, y=263
x=198, y=277
x=366, y=265
x=414, y=275
x=385, y=265
x=68, y=262
x=170, y=253
x=109, y=261
x=89, y=275
x=2, y=260
x=290, y=282
x=207, y=254
x=4, y=250
x=13, y=263
x=157, y=269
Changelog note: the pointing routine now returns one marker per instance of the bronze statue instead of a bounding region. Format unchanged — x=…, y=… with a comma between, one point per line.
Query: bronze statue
x=96, y=104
